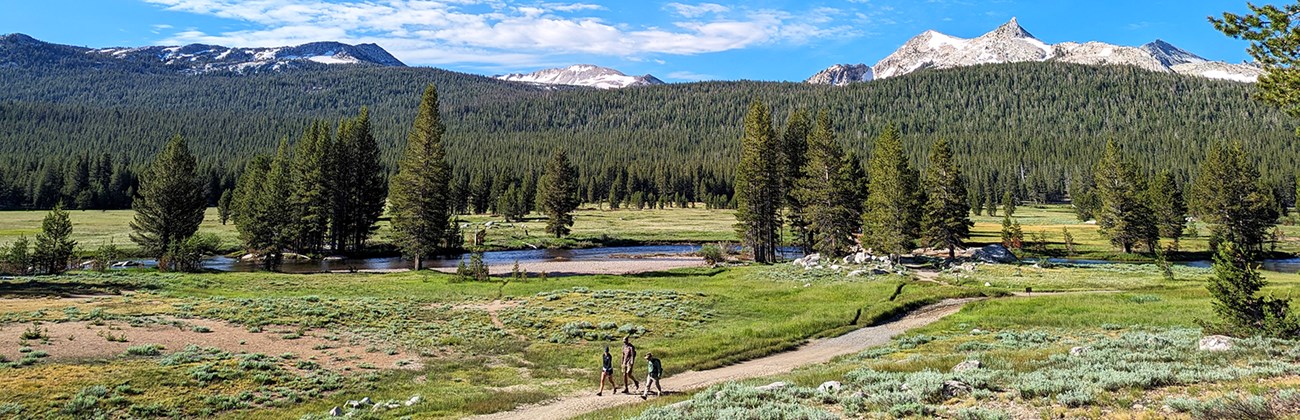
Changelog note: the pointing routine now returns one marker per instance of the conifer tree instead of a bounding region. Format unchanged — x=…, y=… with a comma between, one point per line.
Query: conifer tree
x=558, y=190
x=1235, y=287
x=311, y=190
x=171, y=202
x=1273, y=33
x=1167, y=206
x=794, y=146
x=1008, y=203
x=54, y=244
x=1228, y=194
x=421, y=205
x=223, y=206
x=890, y=221
x=266, y=219
x=946, y=220
x=828, y=193
x=359, y=201
x=758, y=184
x=1124, y=216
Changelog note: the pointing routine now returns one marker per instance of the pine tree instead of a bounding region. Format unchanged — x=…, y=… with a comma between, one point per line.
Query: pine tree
x=246, y=210
x=1124, y=216
x=1273, y=35
x=421, y=205
x=266, y=220
x=1006, y=231
x=1235, y=288
x=223, y=206
x=18, y=258
x=54, y=244
x=828, y=193
x=1167, y=206
x=360, y=200
x=558, y=190
x=946, y=221
x=758, y=184
x=1228, y=194
x=171, y=202
x=795, y=147
x=890, y=221
x=1008, y=203
x=312, y=189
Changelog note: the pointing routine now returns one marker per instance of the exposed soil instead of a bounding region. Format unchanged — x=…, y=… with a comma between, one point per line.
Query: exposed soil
x=612, y=267
x=819, y=351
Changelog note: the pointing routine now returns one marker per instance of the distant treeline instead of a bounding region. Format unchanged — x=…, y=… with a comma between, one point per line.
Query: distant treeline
x=1032, y=129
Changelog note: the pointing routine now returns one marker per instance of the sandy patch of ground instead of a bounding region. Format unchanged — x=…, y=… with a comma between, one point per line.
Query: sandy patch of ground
x=612, y=267
x=83, y=340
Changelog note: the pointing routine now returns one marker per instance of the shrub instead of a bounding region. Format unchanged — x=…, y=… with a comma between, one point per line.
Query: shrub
x=713, y=254
x=83, y=404
x=34, y=332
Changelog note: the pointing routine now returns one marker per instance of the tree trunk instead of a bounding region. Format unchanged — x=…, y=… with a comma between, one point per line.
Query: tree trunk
x=417, y=263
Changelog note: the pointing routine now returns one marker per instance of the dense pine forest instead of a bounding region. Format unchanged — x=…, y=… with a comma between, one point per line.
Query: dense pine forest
x=77, y=135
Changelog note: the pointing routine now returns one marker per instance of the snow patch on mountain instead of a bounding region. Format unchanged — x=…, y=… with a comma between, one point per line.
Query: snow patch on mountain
x=582, y=75
x=200, y=58
x=842, y=74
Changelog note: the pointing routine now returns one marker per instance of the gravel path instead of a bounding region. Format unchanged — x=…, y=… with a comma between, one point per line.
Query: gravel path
x=819, y=351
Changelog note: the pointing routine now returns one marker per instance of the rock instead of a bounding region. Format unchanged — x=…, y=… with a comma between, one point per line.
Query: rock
x=415, y=399
x=857, y=395
x=353, y=403
x=829, y=387
x=976, y=331
x=953, y=388
x=1139, y=407
x=861, y=258
x=772, y=386
x=336, y=411
x=366, y=401
x=967, y=365
x=836, y=267
x=719, y=395
x=1079, y=351
x=987, y=284
x=1216, y=343
x=680, y=405
x=858, y=273
x=995, y=254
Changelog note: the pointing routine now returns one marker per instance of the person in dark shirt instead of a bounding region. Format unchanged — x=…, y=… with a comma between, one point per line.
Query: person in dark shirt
x=607, y=373
x=629, y=361
x=655, y=370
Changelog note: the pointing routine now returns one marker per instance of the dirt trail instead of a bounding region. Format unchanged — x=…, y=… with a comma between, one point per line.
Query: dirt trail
x=819, y=351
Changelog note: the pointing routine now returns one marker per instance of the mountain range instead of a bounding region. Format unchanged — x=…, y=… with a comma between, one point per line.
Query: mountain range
x=1011, y=43
x=583, y=75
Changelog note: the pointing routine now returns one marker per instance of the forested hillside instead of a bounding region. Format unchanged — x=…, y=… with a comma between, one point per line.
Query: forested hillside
x=1029, y=126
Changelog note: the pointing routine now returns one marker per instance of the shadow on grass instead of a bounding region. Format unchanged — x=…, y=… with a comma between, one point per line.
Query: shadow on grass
x=14, y=288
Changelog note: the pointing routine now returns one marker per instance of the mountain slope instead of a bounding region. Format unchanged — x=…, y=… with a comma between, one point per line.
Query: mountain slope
x=582, y=75
x=842, y=74
x=18, y=50
x=1011, y=43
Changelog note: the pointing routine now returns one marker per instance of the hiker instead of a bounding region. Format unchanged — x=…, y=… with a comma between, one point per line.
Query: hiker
x=607, y=373
x=629, y=360
x=655, y=370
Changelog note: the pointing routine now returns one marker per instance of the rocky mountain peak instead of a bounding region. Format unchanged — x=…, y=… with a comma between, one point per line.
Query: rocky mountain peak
x=1011, y=29
x=842, y=74
x=1169, y=55
x=582, y=75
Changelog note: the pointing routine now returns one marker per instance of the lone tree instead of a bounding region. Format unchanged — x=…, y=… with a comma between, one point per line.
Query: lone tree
x=559, y=194
x=170, y=204
x=758, y=184
x=891, y=218
x=1123, y=216
x=420, y=200
x=1165, y=197
x=1228, y=195
x=1274, y=33
x=1235, y=288
x=54, y=245
x=827, y=190
x=946, y=218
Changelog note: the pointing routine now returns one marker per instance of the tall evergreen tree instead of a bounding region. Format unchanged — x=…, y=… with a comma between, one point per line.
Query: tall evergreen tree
x=1274, y=33
x=54, y=244
x=312, y=189
x=827, y=192
x=794, y=145
x=1228, y=194
x=171, y=202
x=1167, y=206
x=223, y=206
x=265, y=218
x=1124, y=216
x=946, y=220
x=1235, y=287
x=889, y=220
x=359, y=201
x=758, y=181
x=558, y=190
x=420, y=200
x=246, y=208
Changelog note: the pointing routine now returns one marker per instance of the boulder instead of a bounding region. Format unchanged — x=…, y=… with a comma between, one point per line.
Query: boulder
x=953, y=388
x=967, y=365
x=366, y=401
x=976, y=331
x=995, y=254
x=1079, y=351
x=415, y=399
x=353, y=403
x=1216, y=343
x=772, y=386
x=829, y=387
x=336, y=411
x=861, y=258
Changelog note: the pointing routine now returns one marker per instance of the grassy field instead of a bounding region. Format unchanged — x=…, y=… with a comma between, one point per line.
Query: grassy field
x=1126, y=350
x=308, y=343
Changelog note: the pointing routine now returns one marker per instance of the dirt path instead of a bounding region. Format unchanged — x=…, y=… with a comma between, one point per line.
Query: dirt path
x=585, y=267
x=819, y=351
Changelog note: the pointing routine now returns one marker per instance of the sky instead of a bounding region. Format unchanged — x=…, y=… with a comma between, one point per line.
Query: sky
x=677, y=41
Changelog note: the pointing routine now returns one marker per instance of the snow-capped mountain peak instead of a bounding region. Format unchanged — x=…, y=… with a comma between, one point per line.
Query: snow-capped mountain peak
x=582, y=75
x=1011, y=43
x=842, y=74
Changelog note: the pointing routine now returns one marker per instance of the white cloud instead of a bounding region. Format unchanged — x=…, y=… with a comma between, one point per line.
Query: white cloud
x=497, y=33
x=690, y=76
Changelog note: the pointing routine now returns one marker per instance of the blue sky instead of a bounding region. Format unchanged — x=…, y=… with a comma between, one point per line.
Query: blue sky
x=675, y=40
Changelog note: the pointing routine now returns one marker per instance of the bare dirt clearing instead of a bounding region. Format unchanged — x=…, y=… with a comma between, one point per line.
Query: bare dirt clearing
x=611, y=267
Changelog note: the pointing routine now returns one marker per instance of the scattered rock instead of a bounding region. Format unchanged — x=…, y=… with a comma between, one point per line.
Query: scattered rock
x=1216, y=343
x=967, y=365
x=772, y=386
x=987, y=284
x=1079, y=351
x=353, y=403
x=366, y=401
x=681, y=405
x=857, y=395
x=415, y=399
x=995, y=254
x=829, y=387
x=336, y=411
x=861, y=258
x=952, y=388
x=1139, y=407
x=858, y=273
x=720, y=395
x=836, y=267
x=977, y=331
